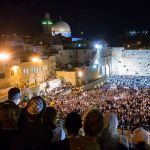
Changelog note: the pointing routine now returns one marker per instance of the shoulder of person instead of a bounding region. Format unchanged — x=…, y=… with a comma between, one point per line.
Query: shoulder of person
x=123, y=140
x=63, y=145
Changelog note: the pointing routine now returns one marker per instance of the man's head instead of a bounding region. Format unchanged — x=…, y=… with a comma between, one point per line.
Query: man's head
x=73, y=123
x=50, y=115
x=14, y=95
x=36, y=108
x=140, y=135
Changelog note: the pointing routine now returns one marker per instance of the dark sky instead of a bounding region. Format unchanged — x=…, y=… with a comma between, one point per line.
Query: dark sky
x=96, y=18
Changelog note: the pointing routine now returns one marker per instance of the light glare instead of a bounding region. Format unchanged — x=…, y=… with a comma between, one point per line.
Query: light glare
x=36, y=59
x=97, y=46
x=4, y=56
x=80, y=74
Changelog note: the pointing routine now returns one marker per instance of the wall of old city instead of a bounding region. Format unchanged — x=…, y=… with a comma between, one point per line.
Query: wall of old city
x=130, y=62
x=67, y=76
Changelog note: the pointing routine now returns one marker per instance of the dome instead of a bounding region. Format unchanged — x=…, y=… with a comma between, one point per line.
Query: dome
x=61, y=26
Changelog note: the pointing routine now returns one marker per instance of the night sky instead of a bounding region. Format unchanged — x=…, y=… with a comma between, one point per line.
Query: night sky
x=96, y=18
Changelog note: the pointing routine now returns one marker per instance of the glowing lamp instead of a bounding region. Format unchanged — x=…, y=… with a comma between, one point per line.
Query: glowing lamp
x=15, y=68
x=97, y=46
x=44, y=22
x=80, y=74
x=4, y=56
x=49, y=22
x=36, y=59
x=95, y=66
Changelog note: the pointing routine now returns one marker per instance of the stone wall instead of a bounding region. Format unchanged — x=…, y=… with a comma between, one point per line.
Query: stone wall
x=130, y=62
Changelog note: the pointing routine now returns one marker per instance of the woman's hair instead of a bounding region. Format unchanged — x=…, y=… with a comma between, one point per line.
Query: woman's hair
x=50, y=115
x=93, y=123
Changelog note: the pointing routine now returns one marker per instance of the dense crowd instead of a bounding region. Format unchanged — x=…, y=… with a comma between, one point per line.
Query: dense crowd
x=90, y=121
x=131, y=106
x=130, y=81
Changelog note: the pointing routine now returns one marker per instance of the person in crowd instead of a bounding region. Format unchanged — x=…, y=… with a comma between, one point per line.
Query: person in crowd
x=23, y=103
x=34, y=135
x=73, y=123
x=9, y=115
x=140, y=139
x=93, y=123
x=109, y=138
x=50, y=119
x=130, y=106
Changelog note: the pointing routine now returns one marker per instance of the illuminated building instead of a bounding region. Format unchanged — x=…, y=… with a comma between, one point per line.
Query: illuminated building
x=47, y=24
x=17, y=73
x=62, y=28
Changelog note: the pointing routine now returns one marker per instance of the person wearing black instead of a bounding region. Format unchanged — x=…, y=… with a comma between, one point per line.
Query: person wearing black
x=73, y=123
x=34, y=135
x=9, y=115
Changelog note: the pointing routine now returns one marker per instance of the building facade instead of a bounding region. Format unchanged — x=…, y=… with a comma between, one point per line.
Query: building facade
x=17, y=73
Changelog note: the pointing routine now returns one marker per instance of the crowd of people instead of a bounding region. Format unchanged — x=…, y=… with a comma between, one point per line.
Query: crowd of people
x=130, y=81
x=131, y=106
x=91, y=119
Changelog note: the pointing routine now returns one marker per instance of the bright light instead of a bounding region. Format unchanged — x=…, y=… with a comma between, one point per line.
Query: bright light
x=95, y=66
x=49, y=22
x=80, y=74
x=97, y=46
x=15, y=68
x=4, y=56
x=96, y=62
x=44, y=22
x=36, y=59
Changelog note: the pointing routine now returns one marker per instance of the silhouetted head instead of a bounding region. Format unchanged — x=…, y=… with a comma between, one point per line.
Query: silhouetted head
x=73, y=123
x=14, y=95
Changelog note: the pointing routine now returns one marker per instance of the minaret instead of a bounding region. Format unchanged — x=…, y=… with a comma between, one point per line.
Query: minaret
x=47, y=24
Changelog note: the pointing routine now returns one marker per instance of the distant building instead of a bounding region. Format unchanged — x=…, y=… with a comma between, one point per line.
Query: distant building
x=17, y=73
x=62, y=28
x=47, y=24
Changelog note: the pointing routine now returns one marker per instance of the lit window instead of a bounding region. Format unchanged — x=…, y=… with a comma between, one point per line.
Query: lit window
x=24, y=71
x=32, y=70
x=27, y=71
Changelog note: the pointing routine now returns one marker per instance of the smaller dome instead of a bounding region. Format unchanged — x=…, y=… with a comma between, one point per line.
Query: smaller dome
x=61, y=26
